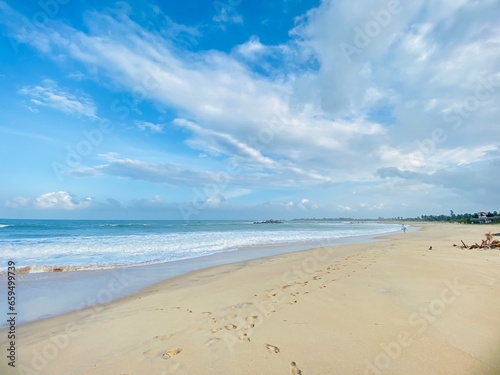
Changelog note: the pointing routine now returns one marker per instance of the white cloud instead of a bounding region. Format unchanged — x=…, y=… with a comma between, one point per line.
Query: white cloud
x=429, y=157
x=304, y=204
x=149, y=126
x=214, y=201
x=252, y=48
x=61, y=200
x=226, y=13
x=166, y=173
x=48, y=94
x=344, y=208
x=219, y=143
x=173, y=174
x=416, y=44
x=18, y=202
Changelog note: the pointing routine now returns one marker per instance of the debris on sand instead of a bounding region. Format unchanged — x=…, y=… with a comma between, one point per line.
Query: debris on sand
x=488, y=243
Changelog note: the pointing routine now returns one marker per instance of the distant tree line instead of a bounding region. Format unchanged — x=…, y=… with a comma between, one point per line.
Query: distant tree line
x=465, y=218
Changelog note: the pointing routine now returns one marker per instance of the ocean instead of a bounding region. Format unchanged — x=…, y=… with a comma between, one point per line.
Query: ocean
x=62, y=245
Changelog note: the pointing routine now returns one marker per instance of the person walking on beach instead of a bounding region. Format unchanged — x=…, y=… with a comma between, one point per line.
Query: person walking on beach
x=403, y=228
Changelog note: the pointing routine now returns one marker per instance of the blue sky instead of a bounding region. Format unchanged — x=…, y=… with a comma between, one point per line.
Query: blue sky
x=252, y=110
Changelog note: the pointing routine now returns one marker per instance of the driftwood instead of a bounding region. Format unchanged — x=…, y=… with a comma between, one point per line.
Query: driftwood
x=485, y=244
x=488, y=237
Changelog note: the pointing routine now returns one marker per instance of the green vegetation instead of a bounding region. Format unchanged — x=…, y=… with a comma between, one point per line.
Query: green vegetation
x=475, y=218
x=466, y=218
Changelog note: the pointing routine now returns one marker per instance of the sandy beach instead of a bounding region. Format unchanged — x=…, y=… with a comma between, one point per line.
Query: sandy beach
x=386, y=307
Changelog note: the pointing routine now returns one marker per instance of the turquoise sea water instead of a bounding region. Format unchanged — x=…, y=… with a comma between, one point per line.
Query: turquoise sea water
x=44, y=245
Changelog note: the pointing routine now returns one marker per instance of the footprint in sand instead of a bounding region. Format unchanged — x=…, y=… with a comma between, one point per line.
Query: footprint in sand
x=215, y=330
x=294, y=370
x=245, y=337
x=230, y=326
x=166, y=336
x=251, y=318
x=212, y=341
x=272, y=348
x=171, y=353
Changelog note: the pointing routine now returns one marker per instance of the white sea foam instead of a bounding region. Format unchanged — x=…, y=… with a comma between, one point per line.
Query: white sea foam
x=4, y=225
x=83, y=252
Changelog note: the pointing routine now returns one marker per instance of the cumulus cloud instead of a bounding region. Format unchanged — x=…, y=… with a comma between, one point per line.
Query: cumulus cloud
x=61, y=200
x=57, y=200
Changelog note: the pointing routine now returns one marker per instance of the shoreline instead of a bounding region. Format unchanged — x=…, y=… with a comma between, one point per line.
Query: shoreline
x=40, y=288
x=390, y=306
x=164, y=256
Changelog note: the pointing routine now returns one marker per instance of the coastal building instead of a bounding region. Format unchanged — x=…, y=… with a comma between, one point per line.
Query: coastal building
x=483, y=218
